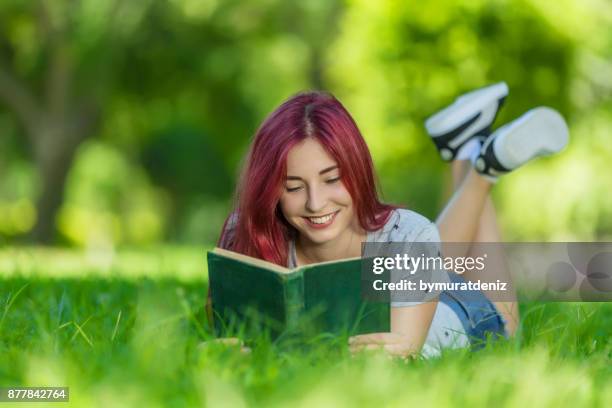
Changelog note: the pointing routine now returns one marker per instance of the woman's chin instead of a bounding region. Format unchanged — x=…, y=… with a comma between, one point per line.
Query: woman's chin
x=320, y=237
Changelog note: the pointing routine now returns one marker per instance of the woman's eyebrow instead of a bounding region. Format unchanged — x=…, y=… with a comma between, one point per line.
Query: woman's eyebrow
x=325, y=170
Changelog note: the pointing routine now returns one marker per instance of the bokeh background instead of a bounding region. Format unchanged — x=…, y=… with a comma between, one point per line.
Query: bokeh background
x=124, y=123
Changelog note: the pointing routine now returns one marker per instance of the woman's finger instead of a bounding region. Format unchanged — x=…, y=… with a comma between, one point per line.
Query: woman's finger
x=363, y=347
x=393, y=350
x=375, y=338
x=400, y=350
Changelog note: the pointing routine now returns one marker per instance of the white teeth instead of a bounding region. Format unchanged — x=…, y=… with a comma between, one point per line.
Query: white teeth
x=321, y=220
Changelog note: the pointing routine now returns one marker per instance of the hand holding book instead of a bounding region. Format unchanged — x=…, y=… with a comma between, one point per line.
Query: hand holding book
x=393, y=343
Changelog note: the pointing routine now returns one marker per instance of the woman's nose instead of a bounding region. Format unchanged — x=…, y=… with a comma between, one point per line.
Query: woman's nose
x=316, y=200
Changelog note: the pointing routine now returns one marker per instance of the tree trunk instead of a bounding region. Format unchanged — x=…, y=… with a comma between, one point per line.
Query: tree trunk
x=54, y=152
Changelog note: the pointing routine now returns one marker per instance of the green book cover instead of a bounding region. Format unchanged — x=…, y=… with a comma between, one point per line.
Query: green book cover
x=322, y=298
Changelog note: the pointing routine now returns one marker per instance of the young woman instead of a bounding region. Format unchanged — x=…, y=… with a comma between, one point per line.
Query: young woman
x=307, y=194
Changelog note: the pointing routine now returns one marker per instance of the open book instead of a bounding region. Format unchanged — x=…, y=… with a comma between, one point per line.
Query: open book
x=322, y=297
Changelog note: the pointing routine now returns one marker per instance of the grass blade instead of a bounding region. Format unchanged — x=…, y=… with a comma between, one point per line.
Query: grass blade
x=82, y=333
x=10, y=302
x=116, y=327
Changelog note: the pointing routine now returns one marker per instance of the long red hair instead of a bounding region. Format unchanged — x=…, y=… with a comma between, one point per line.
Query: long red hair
x=259, y=228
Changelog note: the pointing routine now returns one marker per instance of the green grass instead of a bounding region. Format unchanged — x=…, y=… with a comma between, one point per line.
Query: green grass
x=117, y=338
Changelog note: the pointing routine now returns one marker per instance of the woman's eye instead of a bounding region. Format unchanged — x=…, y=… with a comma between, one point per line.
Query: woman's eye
x=332, y=181
x=292, y=189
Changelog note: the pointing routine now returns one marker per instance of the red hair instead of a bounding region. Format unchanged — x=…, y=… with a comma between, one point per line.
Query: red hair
x=260, y=228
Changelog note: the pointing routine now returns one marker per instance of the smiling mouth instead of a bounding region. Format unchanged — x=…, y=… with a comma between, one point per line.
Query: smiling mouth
x=322, y=221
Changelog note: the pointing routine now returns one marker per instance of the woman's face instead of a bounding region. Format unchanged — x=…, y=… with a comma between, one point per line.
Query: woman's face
x=314, y=199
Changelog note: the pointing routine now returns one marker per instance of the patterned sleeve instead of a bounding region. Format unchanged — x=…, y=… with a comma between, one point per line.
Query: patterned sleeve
x=429, y=233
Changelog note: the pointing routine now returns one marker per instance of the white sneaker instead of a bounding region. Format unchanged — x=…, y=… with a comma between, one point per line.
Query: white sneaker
x=469, y=117
x=541, y=131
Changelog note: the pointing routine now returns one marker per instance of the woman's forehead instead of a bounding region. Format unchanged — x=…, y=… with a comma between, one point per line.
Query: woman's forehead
x=309, y=156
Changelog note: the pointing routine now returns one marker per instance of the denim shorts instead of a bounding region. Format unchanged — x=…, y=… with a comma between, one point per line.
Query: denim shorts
x=478, y=315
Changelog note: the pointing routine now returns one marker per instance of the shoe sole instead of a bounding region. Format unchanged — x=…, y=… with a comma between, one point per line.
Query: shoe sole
x=465, y=107
x=541, y=131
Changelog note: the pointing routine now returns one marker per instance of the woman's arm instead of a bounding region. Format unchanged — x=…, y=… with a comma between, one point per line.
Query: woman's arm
x=409, y=324
x=409, y=328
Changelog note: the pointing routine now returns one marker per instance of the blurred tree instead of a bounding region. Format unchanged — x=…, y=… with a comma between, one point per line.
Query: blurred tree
x=203, y=79
x=56, y=60
x=132, y=71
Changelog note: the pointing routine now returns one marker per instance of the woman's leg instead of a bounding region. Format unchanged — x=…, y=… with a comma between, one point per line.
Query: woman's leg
x=470, y=217
x=459, y=220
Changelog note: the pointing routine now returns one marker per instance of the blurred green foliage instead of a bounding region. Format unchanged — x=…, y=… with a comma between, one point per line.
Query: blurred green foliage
x=182, y=85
